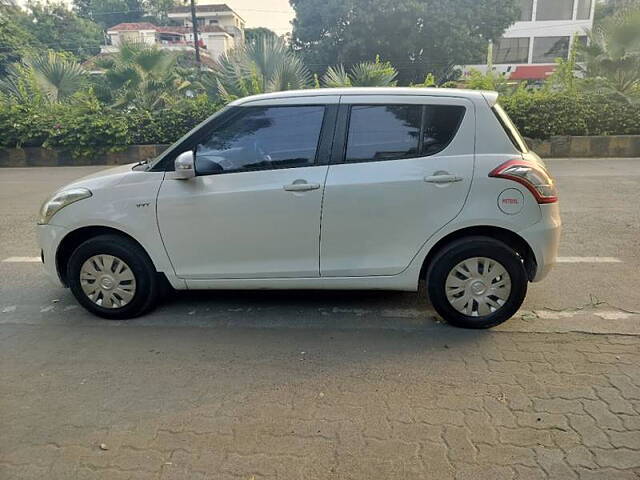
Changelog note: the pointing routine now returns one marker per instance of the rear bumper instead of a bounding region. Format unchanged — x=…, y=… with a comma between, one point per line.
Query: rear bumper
x=49, y=238
x=544, y=239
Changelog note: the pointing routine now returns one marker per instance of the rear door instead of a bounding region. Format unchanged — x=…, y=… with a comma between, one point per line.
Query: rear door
x=401, y=169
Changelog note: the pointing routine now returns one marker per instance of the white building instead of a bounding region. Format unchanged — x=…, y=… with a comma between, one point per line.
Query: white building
x=528, y=49
x=219, y=30
x=219, y=27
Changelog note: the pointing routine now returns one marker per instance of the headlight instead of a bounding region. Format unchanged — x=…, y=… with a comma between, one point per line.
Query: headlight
x=59, y=201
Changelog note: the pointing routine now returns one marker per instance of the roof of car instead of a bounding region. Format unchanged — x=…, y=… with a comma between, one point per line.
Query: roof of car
x=489, y=96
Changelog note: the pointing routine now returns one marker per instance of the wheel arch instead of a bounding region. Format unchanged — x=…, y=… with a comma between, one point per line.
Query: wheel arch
x=74, y=238
x=510, y=238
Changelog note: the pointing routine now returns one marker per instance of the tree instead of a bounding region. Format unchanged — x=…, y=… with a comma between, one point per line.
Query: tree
x=15, y=40
x=266, y=65
x=158, y=10
x=58, y=28
x=608, y=8
x=416, y=36
x=251, y=35
x=108, y=13
x=612, y=56
x=364, y=74
x=139, y=76
x=49, y=78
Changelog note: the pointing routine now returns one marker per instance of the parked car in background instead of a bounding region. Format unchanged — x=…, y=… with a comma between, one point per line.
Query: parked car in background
x=359, y=188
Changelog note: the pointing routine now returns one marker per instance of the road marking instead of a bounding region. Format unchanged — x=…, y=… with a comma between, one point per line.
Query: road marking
x=22, y=260
x=588, y=260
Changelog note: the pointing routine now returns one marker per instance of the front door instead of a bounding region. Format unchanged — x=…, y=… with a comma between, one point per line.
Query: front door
x=253, y=210
x=403, y=169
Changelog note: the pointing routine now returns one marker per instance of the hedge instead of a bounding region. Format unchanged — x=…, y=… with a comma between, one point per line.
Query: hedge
x=87, y=127
x=541, y=114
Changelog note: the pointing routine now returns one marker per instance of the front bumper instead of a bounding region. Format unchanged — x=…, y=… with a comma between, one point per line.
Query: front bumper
x=544, y=239
x=49, y=238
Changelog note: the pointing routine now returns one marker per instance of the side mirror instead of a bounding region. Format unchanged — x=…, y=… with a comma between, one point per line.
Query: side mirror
x=184, y=166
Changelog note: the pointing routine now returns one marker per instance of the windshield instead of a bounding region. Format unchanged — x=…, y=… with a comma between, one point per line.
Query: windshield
x=510, y=129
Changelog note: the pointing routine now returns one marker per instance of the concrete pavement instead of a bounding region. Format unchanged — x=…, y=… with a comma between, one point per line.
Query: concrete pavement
x=330, y=384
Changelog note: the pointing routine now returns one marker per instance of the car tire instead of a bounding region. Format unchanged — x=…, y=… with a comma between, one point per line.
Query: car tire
x=477, y=282
x=119, y=271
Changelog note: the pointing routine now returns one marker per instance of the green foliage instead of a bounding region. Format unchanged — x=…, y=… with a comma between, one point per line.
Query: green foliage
x=265, y=65
x=609, y=8
x=416, y=36
x=541, y=114
x=140, y=76
x=486, y=81
x=363, y=74
x=336, y=77
x=158, y=10
x=429, y=81
x=612, y=56
x=86, y=127
x=167, y=126
x=251, y=35
x=108, y=13
x=83, y=127
x=60, y=29
x=564, y=77
x=46, y=78
x=15, y=40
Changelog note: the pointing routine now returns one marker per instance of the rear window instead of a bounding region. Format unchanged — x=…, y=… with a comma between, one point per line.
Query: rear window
x=510, y=129
x=393, y=132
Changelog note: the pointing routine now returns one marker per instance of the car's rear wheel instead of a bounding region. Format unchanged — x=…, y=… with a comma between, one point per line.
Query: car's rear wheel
x=477, y=282
x=113, y=277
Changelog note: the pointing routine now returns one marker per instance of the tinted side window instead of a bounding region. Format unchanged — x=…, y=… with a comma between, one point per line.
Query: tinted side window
x=262, y=138
x=392, y=132
x=383, y=132
x=441, y=123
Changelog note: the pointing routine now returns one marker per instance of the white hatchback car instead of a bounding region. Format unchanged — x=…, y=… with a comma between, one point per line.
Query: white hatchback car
x=359, y=188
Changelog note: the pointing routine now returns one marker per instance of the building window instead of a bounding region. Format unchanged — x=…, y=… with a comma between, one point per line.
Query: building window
x=526, y=10
x=547, y=49
x=584, y=10
x=511, y=50
x=554, y=10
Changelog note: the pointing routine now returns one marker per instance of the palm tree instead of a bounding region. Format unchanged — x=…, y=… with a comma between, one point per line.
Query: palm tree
x=364, y=74
x=264, y=65
x=50, y=78
x=612, y=56
x=141, y=76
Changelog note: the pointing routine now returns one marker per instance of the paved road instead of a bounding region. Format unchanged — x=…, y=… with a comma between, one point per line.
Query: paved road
x=330, y=384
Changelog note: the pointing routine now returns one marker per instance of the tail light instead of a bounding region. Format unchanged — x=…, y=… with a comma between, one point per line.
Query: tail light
x=533, y=176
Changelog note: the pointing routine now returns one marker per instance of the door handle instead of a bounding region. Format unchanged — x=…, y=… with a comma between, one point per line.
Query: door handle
x=301, y=186
x=440, y=179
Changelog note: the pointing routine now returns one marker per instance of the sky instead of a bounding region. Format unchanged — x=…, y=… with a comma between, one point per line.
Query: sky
x=273, y=14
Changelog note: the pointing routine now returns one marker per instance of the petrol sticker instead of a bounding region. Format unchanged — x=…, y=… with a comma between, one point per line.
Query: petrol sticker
x=511, y=201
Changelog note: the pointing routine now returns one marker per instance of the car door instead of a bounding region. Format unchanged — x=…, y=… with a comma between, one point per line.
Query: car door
x=253, y=209
x=402, y=168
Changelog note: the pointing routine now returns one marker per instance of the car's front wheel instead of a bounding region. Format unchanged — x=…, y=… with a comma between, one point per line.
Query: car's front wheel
x=477, y=282
x=112, y=277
